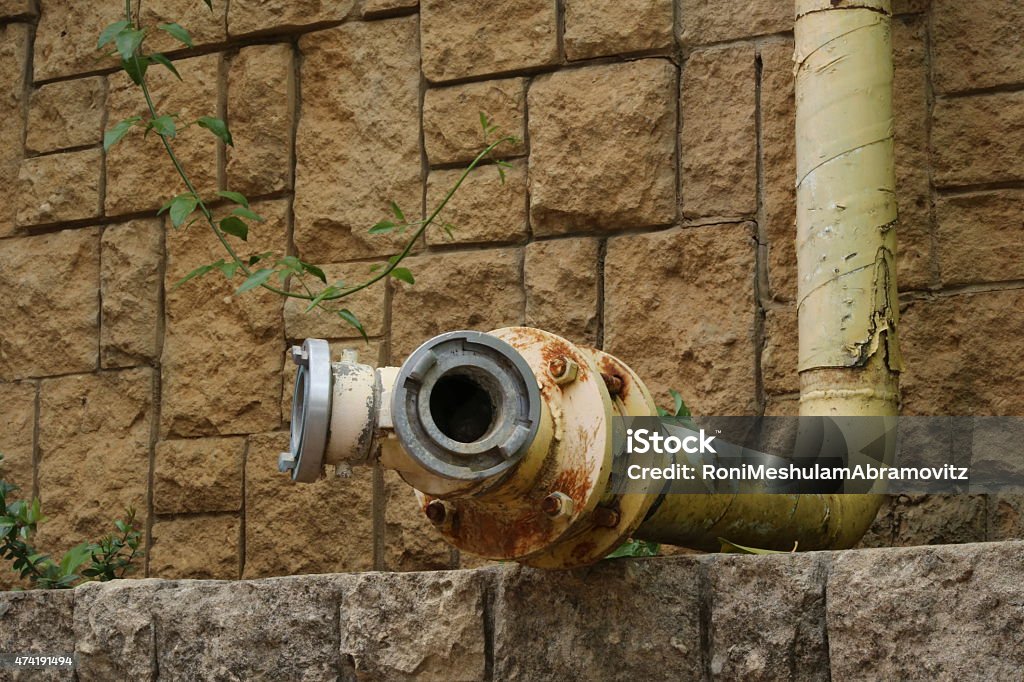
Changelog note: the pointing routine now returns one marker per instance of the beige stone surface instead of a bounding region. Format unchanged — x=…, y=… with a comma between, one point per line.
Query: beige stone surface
x=597, y=28
x=484, y=209
x=140, y=176
x=410, y=541
x=466, y=38
x=14, y=55
x=37, y=621
x=131, y=261
x=369, y=8
x=261, y=110
x=272, y=16
x=960, y=353
x=322, y=527
x=718, y=140
x=13, y=8
x=680, y=310
x=93, y=453
x=937, y=519
x=601, y=147
x=977, y=49
x=66, y=37
x=206, y=25
x=441, y=614
x=779, y=357
x=66, y=114
x=778, y=164
x=198, y=475
x=358, y=138
x=16, y=435
x=1005, y=517
x=981, y=237
x=978, y=139
x=57, y=273
x=173, y=552
x=561, y=278
x=222, y=351
x=479, y=290
x=452, y=131
x=702, y=22
x=368, y=305
x=59, y=187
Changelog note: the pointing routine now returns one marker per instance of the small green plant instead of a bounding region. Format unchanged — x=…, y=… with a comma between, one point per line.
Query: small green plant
x=125, y=40
x=110, y=557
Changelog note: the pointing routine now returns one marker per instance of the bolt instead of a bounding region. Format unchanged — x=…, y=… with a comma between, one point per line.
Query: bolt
x=437, y=512
x=300, y=356
x=563, y=370
x=605, y=517
x=612, y=383
x=557, y=504
x=285, y=462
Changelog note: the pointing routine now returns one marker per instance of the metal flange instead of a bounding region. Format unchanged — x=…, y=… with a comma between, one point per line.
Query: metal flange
x=311, y=411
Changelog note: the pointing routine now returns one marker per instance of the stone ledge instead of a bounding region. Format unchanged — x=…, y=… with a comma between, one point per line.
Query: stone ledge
x=921, y=612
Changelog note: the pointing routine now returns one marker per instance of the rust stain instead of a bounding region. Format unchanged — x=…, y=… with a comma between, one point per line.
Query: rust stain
x=616, y=380
x=573, y=482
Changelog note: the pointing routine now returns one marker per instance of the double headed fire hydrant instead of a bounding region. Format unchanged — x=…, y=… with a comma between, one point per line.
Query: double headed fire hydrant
x=507, y=439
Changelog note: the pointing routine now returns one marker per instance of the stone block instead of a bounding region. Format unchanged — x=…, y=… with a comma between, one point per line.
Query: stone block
x=37, y=622
x=370, y=8
x=410, y=542
x=173, y=551
x=978, y=139
x=279, y=16
x=606, y=27
x=779, y=357
x=561, y=278
x=976, y=49
x=66, y=114
x=937, y=519
x=980, y=237
x=131, y=263
x=702, y=22
x=14, y=55
x=66, y=37
x=206, y=25
x=59, y=188
x=198, y=475
x=483, y=210
x=452, y=131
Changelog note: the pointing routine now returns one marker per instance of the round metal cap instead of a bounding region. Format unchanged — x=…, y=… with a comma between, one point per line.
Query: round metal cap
x=466, y=406
x=311, y=411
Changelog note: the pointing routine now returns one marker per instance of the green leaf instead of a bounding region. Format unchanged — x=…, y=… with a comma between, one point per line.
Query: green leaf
x=236, y=227
x=484, y=122
x=127, y=42
x=182, y=207
x=248, y=213
x=349, y=317
x=164, y=125
x=680, y=407
x=209, y=3
x=740, y=549
x=135, y=68
x=177, y=32
x=382, y=227
x=635, y=548
x=327, y=291
x=164, y=61
x=198, y=272
x=397, y=211
x=254, y=259
x=254, y=280
x=114, y=135
x=315, y=271
x=217, y=127
x=228, y=269
x=110, y=32
x=403, y=274
x=236, y=197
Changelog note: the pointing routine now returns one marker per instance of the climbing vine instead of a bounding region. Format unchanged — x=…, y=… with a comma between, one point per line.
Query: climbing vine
x=230, y=215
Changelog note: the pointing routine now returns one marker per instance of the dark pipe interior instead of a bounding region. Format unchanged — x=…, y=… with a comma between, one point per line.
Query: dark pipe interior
x=462, y=408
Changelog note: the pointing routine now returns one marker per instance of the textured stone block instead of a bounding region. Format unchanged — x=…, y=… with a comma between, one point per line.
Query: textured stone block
x=978, y=139
x=37, y=622
x=57, y=273
x=951, y=613
x=322, y=527
x=66, y=37
x=441, y=616
x=370, y=8
x=466, y=38
x=937, y=519
x=369, y=305
x=688, y=322
x=173, y=551
x=562, y=288
x=470, y=290
x=115, y=630
x=132, y=257
x=204, y=24
x=957, y=350
x=981, y=236
x=977, y=49
x=768, y=617
x=359, y=136
x=140, y=176
x=602, y=148
x=485, y=209
x=261, y=106
x=597, y=28
x=201, y=475
x=16, y=435
x=779, y=357
x=66, y=114
x=452, y=131
x=14, y=54
x=778, y=163
x=550, y=624
x=17, y=8
x=59, y=188
x=1005, y=517
x=278, y=16
x=718, y=141
x=702, y=22
x=410, y=542
x=93, y=453
x=222, y=352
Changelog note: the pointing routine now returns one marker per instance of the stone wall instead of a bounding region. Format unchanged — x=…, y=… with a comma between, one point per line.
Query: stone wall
x=649, y=211
x=954, y=612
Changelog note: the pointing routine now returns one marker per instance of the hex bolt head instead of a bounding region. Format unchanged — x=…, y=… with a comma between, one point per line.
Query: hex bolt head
x=285, y=462
x=564, y=370
x=300, y=356
x=437, y=512
x=612, y=383
x=605, y=517
x=556, y=505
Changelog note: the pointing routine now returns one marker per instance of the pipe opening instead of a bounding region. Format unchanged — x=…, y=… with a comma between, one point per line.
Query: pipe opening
x=463, y=406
